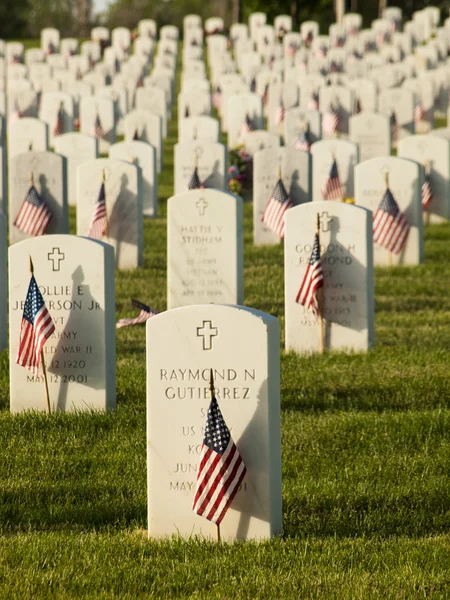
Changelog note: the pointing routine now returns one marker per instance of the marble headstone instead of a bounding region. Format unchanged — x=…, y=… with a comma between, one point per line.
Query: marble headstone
x=77, y=148
x=372, y=132
x=346, y=249
x=211, y=159
x=205, y=248
x=27, y=134
x=49, y=174
x=296, y=174
x=144, y=126
x=123, y=207
x=76, y=279
x=143, y=155
x=182, y=346
x=3, y=282
x=405, y=183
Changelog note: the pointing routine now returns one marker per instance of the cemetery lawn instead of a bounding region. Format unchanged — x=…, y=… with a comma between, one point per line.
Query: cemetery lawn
x=365, y=449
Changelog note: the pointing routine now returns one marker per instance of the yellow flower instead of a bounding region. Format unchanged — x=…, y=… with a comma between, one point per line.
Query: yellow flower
x=349, y=200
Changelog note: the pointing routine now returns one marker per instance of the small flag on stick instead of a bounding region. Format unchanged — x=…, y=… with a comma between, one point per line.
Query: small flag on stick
x=37, y=327
x=275, y=211
x=332, y=188
x=303, y=142
x=146, y=313
x=427, y=190
x=419, y=113
x=390, y=226
x=279, y=113
x=330, y=121
x=34, y=215
x=307, y=295
x=97, y=129
x=16, y=113
x=194, y=182
x=247, y=126
x=221, y=468
x=58, y=129
x=99, y=219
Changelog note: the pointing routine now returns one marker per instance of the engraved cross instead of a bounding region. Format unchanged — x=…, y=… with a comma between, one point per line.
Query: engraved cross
x=207, y=332
x=202, y=205
x=325, y=221
x=56, y=257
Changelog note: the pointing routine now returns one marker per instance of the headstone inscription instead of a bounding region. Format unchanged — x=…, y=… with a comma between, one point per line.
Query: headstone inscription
x=3, y=282
x=405, y=179
x=295, y=169
x=76, y=279
x=123, y=207
x=49, y=175
x=346, y=249
x=205, y=248
x=182, y=346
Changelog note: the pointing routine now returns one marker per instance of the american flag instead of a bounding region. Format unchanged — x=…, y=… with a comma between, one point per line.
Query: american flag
x=419, y=113
x=335, y=67
x=312, y=281
x=58, y=129
x=37, y=327
x=303, y=142
x=50, y=49
x=140, y=81
x=332, y=188
x=247, y=126
x=308, y=39
x=97, y=129
x=291, y=49
x=15, y=114
x=34, y=215
x=146, y=312
x=330, y=121
x=217, y=97
x=194, y=182
x=220, y=470
x=99, y=221
x=274, y=213
x=390, y=226
x=427, y=192
x=313, y=102
x=279, y=113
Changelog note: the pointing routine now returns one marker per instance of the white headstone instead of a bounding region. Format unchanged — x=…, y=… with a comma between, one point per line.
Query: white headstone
x=123, y=207
x=3, y=282
x=27, y=134
x=76, y=279
x=205, y=248
x=51, y=104
x=347, y=156
x=346, y=249
x=153, y=99
x=144, y=126
x=405, y=183
x=182, y=346
x=400, y=102
x=49, y=174
x=372, y=132
x=433, y=153
x=296, y=174
x=201, y=128
x=90, y=107
x=77, y=148
x=297, y=120
x=211, y=159
x=143, y=155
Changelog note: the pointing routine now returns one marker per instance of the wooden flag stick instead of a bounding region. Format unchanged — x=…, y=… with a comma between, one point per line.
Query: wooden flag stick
x=31, y=184
x=44, y=370
x=320, y=298
x=211, y=389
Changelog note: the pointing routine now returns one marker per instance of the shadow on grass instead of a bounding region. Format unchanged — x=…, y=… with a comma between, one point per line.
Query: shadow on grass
x=323, y=517
x=62, y=506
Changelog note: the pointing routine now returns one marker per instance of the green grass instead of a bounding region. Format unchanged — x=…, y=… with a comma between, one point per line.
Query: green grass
x=365, y=448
